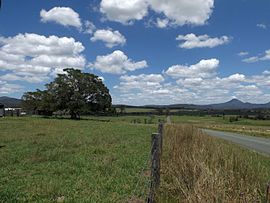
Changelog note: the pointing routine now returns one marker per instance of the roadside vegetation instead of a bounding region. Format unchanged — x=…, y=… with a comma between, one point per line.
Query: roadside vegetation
x=228, y=123
x=198, y=168
x=62, y=160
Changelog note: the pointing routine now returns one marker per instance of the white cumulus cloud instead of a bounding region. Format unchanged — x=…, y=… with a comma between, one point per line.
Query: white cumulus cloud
x=109, y=37
x=191, y=41
x=117, y=63
x=176, y=12
x=34, y=58
x=62, y=15
x=143, y=81
x=124, y=11
x=203, y=69
x=181, y=12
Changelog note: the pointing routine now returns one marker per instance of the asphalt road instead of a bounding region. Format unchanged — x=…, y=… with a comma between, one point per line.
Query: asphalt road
x=257, y=144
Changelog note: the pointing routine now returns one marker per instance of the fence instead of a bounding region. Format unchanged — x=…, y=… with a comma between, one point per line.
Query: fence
x=156, y=151
x=268, y=194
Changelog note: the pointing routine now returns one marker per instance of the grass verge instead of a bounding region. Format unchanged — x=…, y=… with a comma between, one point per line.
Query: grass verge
x=198, y=168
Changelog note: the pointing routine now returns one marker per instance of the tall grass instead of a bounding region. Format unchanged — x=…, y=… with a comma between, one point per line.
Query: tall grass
x=198, y=168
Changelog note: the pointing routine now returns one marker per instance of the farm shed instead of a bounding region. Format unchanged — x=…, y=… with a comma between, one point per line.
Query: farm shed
x=2, y=110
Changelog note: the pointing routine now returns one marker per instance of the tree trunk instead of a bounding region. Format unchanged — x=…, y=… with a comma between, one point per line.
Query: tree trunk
x=74, y=116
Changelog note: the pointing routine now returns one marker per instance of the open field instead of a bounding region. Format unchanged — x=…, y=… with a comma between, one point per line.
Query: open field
x=136, y=110
x=152, y=119
x=243, y=126
x=45, y=160
x=198, y=168
x=99, y=159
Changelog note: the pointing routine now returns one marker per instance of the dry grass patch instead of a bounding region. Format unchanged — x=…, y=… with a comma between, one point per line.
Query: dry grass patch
x=198, y=168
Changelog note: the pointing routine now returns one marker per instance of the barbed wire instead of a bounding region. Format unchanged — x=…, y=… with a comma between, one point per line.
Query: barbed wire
x=140, y=176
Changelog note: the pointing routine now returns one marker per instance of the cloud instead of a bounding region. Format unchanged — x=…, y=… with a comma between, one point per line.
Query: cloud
x=198, y=84
x=192, y=41
x=6, y=88
x=182, y=12
x=261, y=57
x=174, y=12
x=203, y=69
x=162, y=23
x=26, y=78
x=262, y=80
x=109, y=37
x=124, y=11
x=117, y=63
x=266, y=72
x=251, y=59
x=138, y=90
x=34, y=58
x=143, y=81
x=236, y=78
x=262, y=26
x=89, y=27
x=243, y=53
x=62, y=15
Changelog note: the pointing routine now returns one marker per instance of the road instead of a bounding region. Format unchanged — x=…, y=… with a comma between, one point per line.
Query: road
x=257, y=144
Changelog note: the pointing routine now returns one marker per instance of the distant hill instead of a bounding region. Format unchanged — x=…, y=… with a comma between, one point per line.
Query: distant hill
x=232, y=104
x=10, y=102
x=237, y=104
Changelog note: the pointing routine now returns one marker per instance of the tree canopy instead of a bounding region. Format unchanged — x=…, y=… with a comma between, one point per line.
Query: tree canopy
x=73, y=91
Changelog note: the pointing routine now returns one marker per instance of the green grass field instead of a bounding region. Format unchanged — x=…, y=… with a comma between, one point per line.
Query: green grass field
x=50, y=160
x=243, y=126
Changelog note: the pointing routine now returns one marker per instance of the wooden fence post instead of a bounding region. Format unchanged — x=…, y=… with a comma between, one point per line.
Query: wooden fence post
x=155, y=167
x=268, y=193
x=160, y=131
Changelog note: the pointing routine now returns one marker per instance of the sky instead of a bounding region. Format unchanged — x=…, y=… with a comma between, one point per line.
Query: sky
x=145, y=51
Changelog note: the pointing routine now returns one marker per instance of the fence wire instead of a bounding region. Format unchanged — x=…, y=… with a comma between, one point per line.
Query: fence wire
x=145, y=184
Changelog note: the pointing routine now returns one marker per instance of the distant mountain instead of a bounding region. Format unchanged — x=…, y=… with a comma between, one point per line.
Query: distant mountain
x=237, y=104
x=10, y=102
x=232, y=104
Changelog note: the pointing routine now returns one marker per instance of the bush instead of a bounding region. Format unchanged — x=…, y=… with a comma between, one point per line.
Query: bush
x=233, y=119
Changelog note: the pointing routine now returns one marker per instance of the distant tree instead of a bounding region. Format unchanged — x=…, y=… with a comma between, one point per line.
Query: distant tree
x=167, y=112
x=122, y=109
x=159, y=111
x=73, y=91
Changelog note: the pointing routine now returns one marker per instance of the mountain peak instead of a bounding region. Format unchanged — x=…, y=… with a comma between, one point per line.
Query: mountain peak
x=235, y=101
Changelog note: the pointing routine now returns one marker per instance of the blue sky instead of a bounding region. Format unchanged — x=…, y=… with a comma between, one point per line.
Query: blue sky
x=147, y=51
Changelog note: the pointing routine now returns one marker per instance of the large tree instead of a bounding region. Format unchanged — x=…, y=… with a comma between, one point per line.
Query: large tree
x=73, y=91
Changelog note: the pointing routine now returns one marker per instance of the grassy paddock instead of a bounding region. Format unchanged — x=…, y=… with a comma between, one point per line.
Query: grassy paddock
x=45, y=160
x=152, y=119
x=198, y=168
